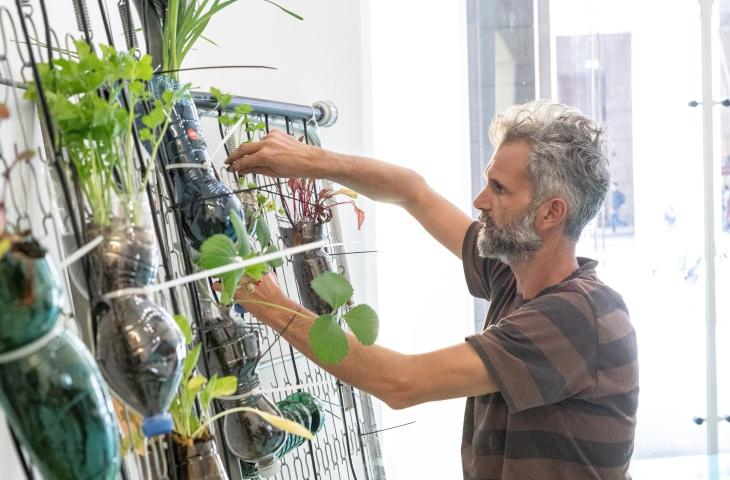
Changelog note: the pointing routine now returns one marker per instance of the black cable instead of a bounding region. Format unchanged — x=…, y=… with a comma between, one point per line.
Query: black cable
x=27, y=468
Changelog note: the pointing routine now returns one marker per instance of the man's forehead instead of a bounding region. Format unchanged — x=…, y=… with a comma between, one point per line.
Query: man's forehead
x=510, y=159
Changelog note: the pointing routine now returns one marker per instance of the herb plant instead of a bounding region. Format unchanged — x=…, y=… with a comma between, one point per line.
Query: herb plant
x=220, y=250
x=326, y=338
x=189, y=425
x=86, y=97
x=256, y=205
x=302, y=203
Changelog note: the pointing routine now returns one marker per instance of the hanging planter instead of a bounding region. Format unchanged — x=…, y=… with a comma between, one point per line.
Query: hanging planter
x=174, y=26
x=302, y=408
x=248, y=435
x=50, y=389
x=256, y=428
x=231, y=347
x=199, y=461
x=307, y=211
x=204, y=202
x=308, y=265
x=138, y=346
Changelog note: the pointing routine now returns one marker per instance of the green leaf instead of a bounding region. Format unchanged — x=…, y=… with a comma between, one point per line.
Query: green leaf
x=217, y=251
x=225, y=386
x=208, y=40
x=5, y=245
x=332, y=288
x=258, y=270
x=299, y=17
x=184, y=325
x=244, y=246
x=145, y=134
x=327, y=340
x=273, y=263
x=262, y=234
x=191, y=359
x=364, y=323
x=195, y=384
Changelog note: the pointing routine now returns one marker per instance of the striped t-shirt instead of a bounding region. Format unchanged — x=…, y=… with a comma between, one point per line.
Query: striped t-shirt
x=566, y=366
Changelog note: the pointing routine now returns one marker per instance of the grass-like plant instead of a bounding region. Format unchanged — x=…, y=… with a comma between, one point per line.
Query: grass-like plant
x=184, y=24
x=92, y=101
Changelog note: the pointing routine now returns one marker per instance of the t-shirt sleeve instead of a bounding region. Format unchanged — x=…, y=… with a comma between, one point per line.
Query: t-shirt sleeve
x=543, y=353
x=483, y=275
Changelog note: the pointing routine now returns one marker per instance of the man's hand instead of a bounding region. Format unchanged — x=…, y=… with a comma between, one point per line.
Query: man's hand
x=258, y=296
x=277, y=155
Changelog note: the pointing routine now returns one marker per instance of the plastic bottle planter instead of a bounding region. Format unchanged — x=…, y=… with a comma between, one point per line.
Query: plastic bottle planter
x=204, y=201
x=247, y=435
x=309, y=264
x=199, y=461
x=223, y=335
x=54, y=397
x=139, y=347
x=252, y=439
x=300, y=407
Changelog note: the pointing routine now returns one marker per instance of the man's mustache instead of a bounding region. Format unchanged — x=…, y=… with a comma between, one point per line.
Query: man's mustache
x=484, y=218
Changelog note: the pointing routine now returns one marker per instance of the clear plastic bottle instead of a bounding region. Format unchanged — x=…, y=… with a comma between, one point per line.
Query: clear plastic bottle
x=139, y=347
x=300, y=407
x=204, y=202
x=307, y=265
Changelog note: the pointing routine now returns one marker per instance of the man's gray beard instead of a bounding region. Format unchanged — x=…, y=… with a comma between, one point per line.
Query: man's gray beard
x=515, y=242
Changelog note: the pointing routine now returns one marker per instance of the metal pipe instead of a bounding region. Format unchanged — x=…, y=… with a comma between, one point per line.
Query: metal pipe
x=710, y=247
x=323, y=112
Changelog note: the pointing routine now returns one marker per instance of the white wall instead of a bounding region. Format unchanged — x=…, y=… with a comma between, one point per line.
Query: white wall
x=420, y=120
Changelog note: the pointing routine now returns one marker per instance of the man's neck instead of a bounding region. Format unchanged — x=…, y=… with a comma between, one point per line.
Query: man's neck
x=549, y=266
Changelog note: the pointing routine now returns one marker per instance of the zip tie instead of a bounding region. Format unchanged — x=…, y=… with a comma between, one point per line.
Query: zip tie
x=228, y=135
x=148, y=290
x=76, y=256
x=34, y=346
x=173, y=166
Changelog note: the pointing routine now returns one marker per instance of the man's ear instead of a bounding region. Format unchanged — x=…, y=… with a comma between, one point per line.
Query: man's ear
x=553, y=213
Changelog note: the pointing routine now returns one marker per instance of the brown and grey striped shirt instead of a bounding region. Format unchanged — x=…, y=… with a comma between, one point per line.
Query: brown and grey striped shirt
x=566, y=366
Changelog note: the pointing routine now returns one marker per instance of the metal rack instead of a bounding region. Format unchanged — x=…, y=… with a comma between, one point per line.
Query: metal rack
x=45, y=198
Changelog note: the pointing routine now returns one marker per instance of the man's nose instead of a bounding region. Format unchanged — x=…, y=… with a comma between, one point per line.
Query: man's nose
x=481, y=200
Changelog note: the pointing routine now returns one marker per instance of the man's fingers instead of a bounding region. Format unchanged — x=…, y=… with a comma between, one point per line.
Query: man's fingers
x=243, y=150
x=243, y=167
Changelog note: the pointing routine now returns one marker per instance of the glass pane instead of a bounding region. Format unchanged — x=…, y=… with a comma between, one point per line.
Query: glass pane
x=635, y=74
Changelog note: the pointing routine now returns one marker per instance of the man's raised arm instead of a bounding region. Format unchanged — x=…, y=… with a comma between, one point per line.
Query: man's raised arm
x=280, y=155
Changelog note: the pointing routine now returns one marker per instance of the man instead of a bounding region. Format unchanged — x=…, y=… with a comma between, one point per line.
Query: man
x=552, y=381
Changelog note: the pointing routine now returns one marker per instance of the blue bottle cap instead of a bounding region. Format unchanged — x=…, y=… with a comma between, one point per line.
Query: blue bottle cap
x=157, y=425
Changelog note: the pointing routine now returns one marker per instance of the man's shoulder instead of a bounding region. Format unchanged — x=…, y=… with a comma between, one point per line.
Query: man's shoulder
x=584, y=293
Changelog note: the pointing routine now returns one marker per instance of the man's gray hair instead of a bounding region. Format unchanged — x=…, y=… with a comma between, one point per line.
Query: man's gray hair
x=568, y=158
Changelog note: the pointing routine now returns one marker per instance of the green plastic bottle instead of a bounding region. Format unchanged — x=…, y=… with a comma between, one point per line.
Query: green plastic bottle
x=50, y=388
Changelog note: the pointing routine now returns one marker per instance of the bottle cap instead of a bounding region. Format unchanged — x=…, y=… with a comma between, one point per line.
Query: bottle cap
x=157, y=425
x=269, y=467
